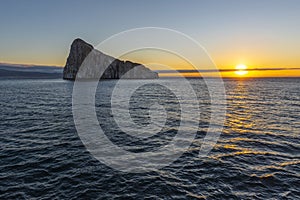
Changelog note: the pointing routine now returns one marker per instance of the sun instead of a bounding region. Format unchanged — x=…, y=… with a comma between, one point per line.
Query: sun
x=241, y=70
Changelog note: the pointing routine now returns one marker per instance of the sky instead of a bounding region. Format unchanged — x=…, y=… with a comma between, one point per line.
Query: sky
x=257, y=33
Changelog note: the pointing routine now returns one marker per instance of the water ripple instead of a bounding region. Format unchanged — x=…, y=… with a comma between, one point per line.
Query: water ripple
x=257, y=156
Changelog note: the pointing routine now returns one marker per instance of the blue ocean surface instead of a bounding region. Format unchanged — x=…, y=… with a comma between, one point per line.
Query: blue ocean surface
x=257, y=155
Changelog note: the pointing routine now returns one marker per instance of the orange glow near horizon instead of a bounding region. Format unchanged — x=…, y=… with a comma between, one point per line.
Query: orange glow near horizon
x=168, y=61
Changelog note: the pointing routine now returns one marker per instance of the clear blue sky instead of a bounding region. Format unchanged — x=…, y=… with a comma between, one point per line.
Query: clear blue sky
x=40, y=32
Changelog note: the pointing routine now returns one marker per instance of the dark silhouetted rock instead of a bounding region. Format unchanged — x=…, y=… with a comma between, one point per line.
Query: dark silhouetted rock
x=85, y=62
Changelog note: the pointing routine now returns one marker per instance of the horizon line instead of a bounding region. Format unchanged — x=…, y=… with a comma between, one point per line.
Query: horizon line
x=223, y=70
x=169, y=71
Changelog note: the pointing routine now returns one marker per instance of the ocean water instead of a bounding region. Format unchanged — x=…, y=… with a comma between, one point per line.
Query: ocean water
x=257, y=155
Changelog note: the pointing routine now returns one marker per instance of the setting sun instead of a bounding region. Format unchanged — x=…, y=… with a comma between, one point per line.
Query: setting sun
x=241, y=70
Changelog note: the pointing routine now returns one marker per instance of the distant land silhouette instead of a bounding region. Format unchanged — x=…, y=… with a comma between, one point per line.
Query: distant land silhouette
x=30, y=71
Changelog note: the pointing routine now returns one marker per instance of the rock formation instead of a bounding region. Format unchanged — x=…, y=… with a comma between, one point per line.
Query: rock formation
x=85, y=62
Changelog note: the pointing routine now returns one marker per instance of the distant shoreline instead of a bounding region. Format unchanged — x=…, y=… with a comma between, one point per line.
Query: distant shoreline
x=59, y=76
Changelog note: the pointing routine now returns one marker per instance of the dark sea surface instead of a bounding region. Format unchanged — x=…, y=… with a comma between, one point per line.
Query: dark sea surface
x=257, y=155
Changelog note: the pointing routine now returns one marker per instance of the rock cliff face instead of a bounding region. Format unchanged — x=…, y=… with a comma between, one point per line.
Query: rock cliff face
x=85, y=62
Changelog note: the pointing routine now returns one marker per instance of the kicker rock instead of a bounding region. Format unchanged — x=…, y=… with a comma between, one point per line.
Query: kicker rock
x=85, y=62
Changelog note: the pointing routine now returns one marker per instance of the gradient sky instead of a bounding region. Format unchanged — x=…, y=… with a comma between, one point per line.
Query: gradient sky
x=258, y=33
